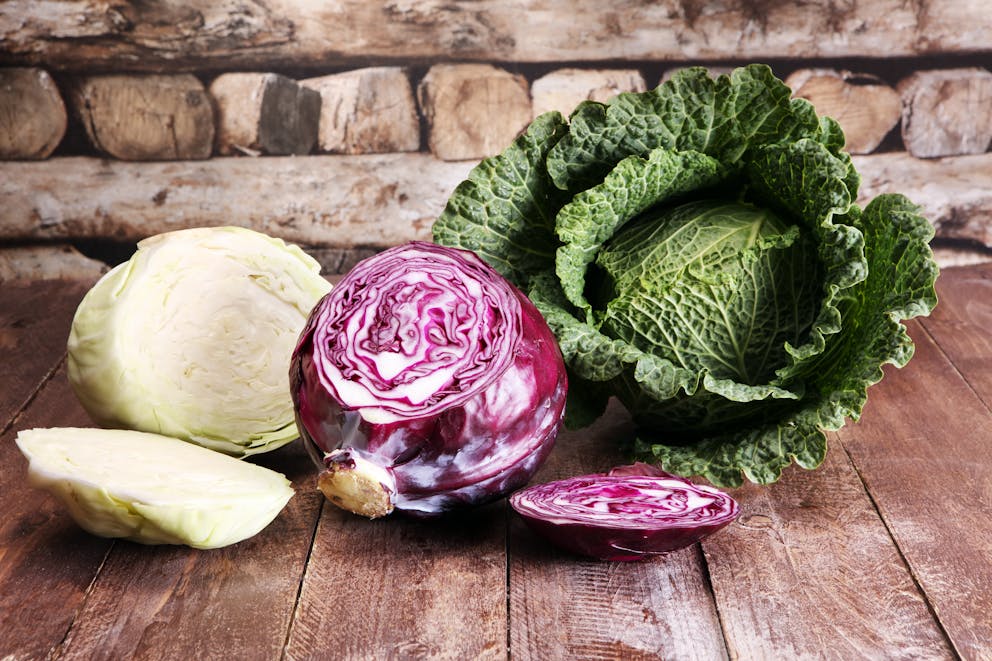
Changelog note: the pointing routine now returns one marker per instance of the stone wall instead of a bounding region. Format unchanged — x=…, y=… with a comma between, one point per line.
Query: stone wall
x=346, y=129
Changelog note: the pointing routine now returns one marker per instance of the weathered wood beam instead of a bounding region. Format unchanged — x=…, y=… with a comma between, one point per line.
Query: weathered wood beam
x=231, y=34
x=864, y=106
x=954, y=192
x=368, y=201
x=343, y=201
x=32, y=114
x=47, y=262
x=142, y=118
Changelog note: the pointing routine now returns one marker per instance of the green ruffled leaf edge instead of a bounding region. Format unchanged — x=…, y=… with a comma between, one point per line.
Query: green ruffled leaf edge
x=899, y=286
x=504, y=211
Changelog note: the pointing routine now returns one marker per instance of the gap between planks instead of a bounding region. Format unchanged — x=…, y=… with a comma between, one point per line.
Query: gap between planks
x=303, y=578
x=708, y=580
x=950, y=361
x=902, y=556
x=946, y=358
x=19, y=411
x=59, y=649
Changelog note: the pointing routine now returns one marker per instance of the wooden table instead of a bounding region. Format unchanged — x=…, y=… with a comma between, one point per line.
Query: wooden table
x=884, y=552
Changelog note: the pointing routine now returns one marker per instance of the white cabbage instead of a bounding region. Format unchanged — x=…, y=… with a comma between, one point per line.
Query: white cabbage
x=192, y=338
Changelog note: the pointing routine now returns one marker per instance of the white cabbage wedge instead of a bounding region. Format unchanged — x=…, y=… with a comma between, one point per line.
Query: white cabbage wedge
x=192, y=338
x=153, y=489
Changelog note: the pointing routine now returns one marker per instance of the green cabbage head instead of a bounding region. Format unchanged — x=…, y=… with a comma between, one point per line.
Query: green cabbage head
x=191, y=338
x=699, y=254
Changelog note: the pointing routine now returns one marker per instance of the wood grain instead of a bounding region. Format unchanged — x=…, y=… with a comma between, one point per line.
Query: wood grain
x=47, y=562
x=809, y=571
x=264, y=113
x=947, y=112
x=326, y=201
x=145, y=117
x=923, y=451
x=32, y=114
x=472, y=111
x=563, y=606
x=34, y=326
x=261, y=34
x=960, y=325
x=398, y=588
x=173, y=602
x=375, y=200
x=865, y=107
x=367, y=111
x=953, y=192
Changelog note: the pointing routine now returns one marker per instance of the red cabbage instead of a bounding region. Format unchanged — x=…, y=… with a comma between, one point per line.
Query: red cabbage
x=424, y=381
x=631, y=513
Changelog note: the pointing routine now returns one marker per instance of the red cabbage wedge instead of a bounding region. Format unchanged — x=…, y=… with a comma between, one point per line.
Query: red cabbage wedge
x=631, y=513
x=424, y=381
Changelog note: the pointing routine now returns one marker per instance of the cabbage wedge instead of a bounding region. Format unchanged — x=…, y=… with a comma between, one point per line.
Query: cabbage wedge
x=152, y=489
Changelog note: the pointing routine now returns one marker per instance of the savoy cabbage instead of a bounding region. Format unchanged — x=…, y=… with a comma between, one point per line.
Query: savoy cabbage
x=699, y=254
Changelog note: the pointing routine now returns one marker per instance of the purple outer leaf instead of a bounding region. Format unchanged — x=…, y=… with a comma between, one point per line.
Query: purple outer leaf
x=631, y=513
x=425, y=381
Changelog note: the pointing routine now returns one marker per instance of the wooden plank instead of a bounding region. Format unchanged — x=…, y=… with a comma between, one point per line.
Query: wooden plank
x=947, y=112
x=48, y=562
x=922, y=449
x=809, y=571
x=402, y=588
x=48, y=261
x=260, y=34
x=342, y=201
x=160, y=601
x=34, y=327
x=370, y=200
x=960, y=324
x=953, y=192
x=145, y=118
x=173, y=602
x=562, y=606
x=32, y=114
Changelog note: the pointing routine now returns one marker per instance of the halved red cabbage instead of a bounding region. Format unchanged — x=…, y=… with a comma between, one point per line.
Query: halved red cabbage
x=424, y=381
x=631, y=513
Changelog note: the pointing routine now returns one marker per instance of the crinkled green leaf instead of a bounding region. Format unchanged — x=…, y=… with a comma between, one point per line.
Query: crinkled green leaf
x=505, y=210
x=635, y=185
x=811, y=184
x=711, y=286
x=722, y=117
x=900, y=285
x=734, y=342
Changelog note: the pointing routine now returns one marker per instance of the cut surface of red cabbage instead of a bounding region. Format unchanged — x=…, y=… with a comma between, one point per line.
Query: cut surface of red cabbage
x=424, y=381
x=630, y=513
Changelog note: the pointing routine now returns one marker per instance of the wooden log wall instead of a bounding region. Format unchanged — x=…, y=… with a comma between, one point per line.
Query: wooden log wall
x=122, y=120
